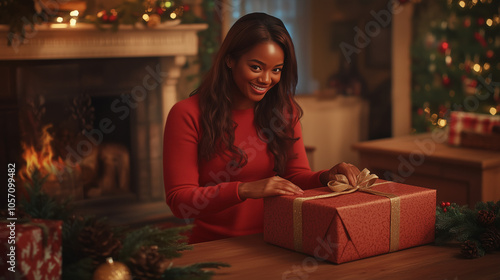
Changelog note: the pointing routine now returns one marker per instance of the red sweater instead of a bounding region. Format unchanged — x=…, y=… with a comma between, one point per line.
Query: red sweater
x=208, y=190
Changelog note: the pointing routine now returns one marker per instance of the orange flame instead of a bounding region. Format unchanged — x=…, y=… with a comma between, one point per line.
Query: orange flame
x=42, y=161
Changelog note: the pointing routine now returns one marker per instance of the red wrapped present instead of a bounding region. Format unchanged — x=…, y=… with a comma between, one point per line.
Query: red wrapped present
x=350, y=223
x=469, y=122
x=37, y=247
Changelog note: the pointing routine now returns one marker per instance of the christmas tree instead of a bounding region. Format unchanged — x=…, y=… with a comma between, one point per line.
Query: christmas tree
x=455, y=60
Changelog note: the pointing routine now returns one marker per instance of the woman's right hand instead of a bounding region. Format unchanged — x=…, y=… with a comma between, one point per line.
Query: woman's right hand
x=268, y=187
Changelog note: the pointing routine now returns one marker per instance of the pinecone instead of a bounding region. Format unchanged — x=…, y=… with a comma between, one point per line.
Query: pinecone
x=469, y=249
x=98, y=242
x=490, y=239
x=147, y=263
x=485, y=217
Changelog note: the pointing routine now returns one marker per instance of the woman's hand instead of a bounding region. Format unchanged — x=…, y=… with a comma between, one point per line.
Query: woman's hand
x=349, y=170
x=268, y=187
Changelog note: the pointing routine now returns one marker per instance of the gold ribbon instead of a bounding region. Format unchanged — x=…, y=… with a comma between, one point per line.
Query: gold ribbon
x=340, y=186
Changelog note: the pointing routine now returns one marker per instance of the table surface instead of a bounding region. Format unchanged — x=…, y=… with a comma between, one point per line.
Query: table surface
x=251, y=257
x=434, y=148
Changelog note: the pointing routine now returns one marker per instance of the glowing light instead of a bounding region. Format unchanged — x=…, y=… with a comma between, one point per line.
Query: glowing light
x=427, y=110
x=448, y=59
x=59, y=19
x=168, y=4
x=462, y=4
x=145, y=17
x=493, y=111
x=173, y=15
x=74, y=13
x=72, y=22
x=486, y=66
x=477, y=67
x=489, y=22
x=441, y=122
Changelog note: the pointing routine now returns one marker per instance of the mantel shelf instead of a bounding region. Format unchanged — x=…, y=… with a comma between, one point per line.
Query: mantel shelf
x=86, y=41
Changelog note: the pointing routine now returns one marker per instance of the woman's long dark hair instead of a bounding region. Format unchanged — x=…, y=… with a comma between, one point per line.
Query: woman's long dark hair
x=275, y=115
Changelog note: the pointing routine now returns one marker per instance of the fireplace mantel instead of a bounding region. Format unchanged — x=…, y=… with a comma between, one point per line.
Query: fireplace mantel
x=85, y=41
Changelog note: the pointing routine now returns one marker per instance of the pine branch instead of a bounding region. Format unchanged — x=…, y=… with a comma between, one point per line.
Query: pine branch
x=169, y=241
x=193, y=272
x=39, y=204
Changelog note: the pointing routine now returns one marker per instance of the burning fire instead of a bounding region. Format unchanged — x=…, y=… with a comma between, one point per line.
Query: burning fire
x=44, y=160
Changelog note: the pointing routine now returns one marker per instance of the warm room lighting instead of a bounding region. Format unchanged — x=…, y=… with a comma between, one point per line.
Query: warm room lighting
x=493, y=111
x=173, y=15
x=462, y=4
x=74, y=13
x=145, y=17
x=59, y=19
x=486, y=66
x=72, y=22
x=489, y=22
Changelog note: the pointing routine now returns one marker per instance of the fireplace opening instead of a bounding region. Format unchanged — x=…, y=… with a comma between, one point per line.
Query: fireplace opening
x=81, y=125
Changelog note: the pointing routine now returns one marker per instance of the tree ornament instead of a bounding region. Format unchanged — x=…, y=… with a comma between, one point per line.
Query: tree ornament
x=443, y=47
x=490, y=239
x=467, y=22
x=469, y=249
x=111, y=270
x=446, y=80
x=148, y=263
x=490, y=53
x=98, y=241
x=486, y=218
x=480, y=39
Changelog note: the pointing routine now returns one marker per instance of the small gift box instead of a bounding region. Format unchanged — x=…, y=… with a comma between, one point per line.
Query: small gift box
x=37, y=251
x=470, y=124
x=341, y=223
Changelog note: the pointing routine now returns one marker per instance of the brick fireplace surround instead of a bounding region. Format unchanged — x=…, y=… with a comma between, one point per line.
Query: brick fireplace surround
x=157, y=54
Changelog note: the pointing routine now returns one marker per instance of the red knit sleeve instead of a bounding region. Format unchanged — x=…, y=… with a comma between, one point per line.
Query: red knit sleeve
x=298, y=170
x=186, y=198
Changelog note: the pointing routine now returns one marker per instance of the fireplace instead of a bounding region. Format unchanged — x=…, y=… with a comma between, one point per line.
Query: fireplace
x=97, y=113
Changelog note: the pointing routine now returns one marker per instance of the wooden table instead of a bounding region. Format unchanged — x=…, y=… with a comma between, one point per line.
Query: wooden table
x=252, y=258
x=460, y=175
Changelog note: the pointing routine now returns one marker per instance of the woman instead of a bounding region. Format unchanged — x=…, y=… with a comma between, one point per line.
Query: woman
x=238, y=139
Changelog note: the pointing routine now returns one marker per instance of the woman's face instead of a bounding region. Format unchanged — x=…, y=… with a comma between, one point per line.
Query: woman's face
x=255, y=73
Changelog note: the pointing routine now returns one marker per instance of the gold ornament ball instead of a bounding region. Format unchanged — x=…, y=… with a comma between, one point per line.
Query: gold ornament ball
x=112, y=271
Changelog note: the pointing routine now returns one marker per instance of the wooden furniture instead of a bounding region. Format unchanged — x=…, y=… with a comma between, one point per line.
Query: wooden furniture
x=252, y=258
x=460, y=175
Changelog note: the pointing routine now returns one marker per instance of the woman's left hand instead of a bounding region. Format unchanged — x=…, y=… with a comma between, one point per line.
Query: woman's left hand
x=349, y=170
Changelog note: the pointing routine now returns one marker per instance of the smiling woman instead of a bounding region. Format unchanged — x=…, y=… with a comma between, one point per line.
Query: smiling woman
x=255, y=73
x=238, y=139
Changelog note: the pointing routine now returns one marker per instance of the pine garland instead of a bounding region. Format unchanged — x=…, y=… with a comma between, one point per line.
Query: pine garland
x=78, y=264
x=477, y=229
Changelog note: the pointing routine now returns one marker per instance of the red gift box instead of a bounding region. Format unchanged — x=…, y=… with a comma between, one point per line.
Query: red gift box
x=38, y=250
x=469, y=122
x=355, y=225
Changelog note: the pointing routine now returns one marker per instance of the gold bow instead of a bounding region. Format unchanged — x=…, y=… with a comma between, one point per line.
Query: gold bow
x=340, y=186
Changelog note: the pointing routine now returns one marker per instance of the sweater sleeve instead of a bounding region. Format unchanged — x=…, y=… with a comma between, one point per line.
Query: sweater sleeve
x=184, y=195
x=298, y=170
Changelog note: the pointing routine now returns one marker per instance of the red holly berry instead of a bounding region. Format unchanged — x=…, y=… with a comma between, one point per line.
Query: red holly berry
x=448, y=204
x=445, y=210
x=443, y=204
